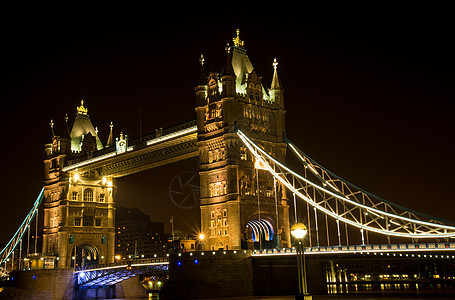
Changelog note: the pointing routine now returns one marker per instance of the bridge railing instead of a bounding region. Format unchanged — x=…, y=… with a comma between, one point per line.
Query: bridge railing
x=132, y=143
x=362, y=248
x=123, y=263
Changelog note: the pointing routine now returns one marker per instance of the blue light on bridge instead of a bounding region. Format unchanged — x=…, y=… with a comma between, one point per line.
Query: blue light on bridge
x=196, y=261
x=179, y=263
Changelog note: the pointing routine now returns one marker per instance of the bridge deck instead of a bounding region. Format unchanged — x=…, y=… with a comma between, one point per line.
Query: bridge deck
x=376, y=248
x=110, y=274
x=170, y=145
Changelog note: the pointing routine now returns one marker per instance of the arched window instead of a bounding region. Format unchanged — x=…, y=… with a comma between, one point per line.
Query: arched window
x=75, y=196
x=102, y=197
x=88, y=195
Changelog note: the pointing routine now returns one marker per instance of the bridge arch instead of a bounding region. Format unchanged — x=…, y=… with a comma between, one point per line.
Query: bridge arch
x=260, y=230
x=85, y=253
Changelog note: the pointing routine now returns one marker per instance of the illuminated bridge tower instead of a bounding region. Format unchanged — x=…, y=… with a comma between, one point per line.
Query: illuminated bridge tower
x=78, y=207
x=239, y=206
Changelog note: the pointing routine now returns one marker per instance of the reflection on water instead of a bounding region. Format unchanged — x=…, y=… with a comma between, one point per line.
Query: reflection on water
x=152, y=296
x=343, y=288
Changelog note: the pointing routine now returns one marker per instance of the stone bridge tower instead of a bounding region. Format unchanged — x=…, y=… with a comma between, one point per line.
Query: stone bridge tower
x=241, y=206
x=78, y=208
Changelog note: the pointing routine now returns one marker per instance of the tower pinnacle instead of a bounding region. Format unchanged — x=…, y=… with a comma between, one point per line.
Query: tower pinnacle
x=110, y=139
x=275, y=81
x=52, y=127
x=276, y=91
x=81, y=109
x=237, y=41
x=201, y=60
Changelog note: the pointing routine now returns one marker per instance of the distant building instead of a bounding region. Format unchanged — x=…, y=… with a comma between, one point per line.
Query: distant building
x=136, y=235
x=188, y=245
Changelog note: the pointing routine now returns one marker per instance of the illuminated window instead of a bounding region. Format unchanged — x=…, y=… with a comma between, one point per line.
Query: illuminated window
x=88, y=195
x=77, y=221
x=54, y=163
x=75, y=196
x=98, y=222
x=102, y=198
x=243, y=155
x=212, y=215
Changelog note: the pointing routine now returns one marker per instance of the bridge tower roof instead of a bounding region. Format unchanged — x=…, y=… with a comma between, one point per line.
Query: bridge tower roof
x=242, y=66
x=81, y=127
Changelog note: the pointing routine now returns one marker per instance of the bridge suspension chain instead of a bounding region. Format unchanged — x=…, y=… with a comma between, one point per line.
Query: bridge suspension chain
x=16, y=239
x=347, y=203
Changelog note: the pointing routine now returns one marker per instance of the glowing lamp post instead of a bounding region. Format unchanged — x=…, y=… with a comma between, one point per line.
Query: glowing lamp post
x=299, y=231
x=201, y=240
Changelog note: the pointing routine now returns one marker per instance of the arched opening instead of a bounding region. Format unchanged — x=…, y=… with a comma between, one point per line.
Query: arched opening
x=260, y=233
x=220, y=246
x=88, y=195
x=84, y=256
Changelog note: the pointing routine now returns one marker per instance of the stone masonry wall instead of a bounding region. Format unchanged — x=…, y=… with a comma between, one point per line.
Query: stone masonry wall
x=214, y=274
x=45, y=284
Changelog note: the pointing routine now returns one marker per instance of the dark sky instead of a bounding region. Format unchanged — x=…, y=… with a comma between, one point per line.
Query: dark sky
x=368, y=91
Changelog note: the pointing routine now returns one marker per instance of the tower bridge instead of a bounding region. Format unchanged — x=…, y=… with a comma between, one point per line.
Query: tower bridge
x=246, y=191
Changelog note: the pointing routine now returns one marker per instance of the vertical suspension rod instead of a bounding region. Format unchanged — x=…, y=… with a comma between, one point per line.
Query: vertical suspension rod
x=259, y=209
x=276, y=212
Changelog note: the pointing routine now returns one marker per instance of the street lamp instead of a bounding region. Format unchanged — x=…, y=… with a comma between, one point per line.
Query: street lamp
x=201, y=239
x=299, y=231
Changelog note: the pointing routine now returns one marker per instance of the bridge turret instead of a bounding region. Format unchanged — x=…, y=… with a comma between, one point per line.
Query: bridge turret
x=82, y=126
x=201, y=87
x=228, y=76
x=65, y=138
x=231, y=184
x=276, y=91
x=78, y=206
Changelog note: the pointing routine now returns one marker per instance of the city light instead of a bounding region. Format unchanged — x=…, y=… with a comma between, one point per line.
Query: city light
x=299, y=230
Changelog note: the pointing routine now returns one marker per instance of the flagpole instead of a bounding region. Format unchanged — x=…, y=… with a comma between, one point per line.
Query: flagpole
x=172, y=224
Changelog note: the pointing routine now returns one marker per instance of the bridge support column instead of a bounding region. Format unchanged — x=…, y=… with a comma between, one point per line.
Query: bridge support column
x=131, y=288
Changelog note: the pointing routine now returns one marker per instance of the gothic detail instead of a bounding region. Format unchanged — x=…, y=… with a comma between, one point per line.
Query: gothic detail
x=216, y=151
x=121, y=143
x=238, y=101
x=217, y=188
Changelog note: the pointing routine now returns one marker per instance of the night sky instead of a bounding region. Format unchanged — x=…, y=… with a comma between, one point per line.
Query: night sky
x=368, y=92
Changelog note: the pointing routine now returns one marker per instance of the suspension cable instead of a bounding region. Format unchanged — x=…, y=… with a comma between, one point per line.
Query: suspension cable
x=265, y=158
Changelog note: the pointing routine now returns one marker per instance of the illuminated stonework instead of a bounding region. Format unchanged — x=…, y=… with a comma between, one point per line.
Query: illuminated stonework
x=81, y=109
x=78, y=207
x=237, y=41
x=231, y=182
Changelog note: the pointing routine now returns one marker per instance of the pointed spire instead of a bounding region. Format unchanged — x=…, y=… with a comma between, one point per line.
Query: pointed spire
x=237, y=41
x=66, y=131
x=81, y=109
x=276, y=91
x=110, y=139
x=228, y=69
x=52, y=127
x=202, y=75
x=228, y=75
x=275, y=81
